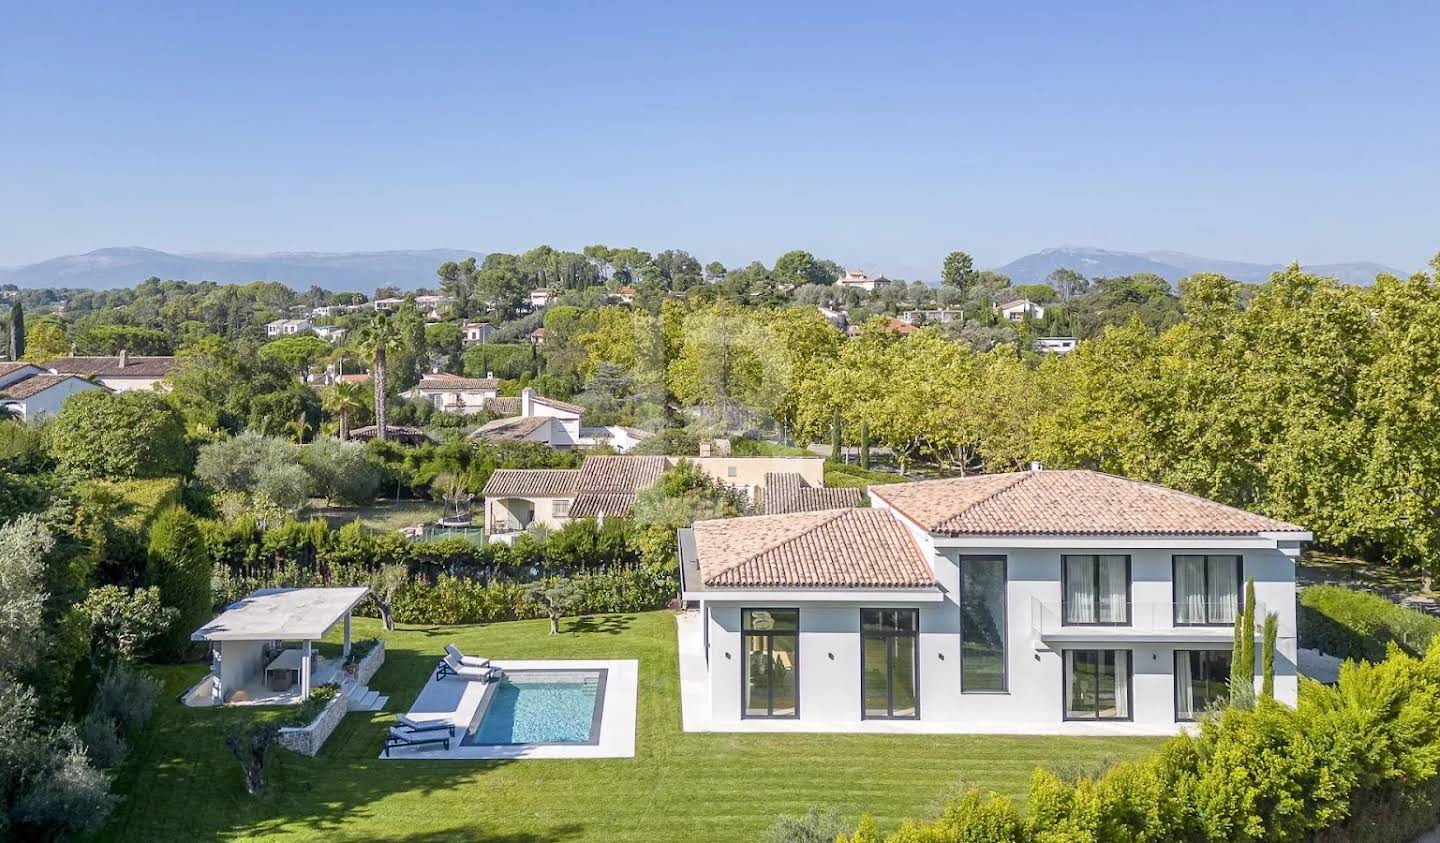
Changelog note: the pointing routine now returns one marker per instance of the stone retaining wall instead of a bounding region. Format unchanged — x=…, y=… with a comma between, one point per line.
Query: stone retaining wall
x=371, y=663
x=307, y=740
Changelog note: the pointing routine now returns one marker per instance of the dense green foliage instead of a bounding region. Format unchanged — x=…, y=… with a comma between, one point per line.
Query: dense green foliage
x=1352, y=624
x=179, y=568
x=118, y=436
x=1341, y=765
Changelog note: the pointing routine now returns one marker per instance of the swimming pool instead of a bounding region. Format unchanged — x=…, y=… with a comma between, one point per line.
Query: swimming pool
x=540, y=707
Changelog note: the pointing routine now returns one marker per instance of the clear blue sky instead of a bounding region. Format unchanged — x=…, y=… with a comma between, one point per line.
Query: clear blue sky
x=881, y=135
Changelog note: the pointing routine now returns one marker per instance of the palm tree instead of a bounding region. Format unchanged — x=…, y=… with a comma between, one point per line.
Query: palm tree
x=342, y=399
x=377, y=338
x=299, y=427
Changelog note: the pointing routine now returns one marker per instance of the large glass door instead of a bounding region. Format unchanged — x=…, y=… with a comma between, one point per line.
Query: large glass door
x=772, y=662
x=888, y=640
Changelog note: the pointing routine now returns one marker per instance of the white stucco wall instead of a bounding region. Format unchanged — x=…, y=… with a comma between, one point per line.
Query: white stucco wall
x=749, y=472
x=237, y=663
x=49, y=401
x=127, y=384
x=497, y=508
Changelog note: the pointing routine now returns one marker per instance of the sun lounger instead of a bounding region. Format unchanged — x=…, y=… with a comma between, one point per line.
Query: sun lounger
x=399, y=737
x=424, y=725
x=468, y=661
x=451, y=666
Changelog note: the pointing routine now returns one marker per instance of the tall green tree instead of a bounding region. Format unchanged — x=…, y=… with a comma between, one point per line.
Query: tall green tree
x=378, y=337
x=179, y=566
x=17, y=331
x=958, y=271
x=343, y=400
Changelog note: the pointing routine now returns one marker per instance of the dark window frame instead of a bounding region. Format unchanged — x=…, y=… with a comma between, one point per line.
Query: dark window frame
x=1175, y=677
x=769, y=636
x=1004, y=561
x=1205, y=568
x=1129, y=687
x=890, y=635
x=1095, y=596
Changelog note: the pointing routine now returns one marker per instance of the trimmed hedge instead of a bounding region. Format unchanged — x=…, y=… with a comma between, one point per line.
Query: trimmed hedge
x=1351, y=624
x=1358, y=761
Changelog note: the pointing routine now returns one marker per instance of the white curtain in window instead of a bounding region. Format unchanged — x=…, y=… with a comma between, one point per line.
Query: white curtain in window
x=1224, y=596
x=1079, y=589
x=1113, y=582
x=1122, y=684
x=1190, y=589
x=1184, y=688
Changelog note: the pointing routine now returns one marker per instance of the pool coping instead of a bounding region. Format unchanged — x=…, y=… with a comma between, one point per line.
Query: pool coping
x=597, y=713
x=457, y=701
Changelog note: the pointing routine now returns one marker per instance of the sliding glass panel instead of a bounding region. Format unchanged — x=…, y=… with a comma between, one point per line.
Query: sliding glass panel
x=1097, y=684
x=875, y=653
x=1201, y=681
x=982, y=623
x=757, y=676
x=783, y=680
x=1079, y=589
x=1080, y=669
x=903, y=676
x=1223, y=593
x=1190, y=589
x=1113, y=584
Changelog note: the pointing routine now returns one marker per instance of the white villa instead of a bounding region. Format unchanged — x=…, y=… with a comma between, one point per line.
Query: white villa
x=606, y=487
x=121, y=373
x=856, y=280
x=474, y=333
x=1064, y=602
x=535, y=418
x=31, y=392
x=288, y=327
x=455, y=393
x=1056, y=345
x=1020, y=308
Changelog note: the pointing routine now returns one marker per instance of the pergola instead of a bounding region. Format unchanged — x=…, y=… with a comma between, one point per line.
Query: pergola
x=241, y=632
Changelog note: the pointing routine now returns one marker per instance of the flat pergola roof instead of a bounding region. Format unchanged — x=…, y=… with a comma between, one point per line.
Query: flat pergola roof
x=282, y=613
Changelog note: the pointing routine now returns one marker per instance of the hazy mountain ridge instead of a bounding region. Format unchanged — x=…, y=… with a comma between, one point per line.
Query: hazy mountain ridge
x=126, y=266
x=1172, y=266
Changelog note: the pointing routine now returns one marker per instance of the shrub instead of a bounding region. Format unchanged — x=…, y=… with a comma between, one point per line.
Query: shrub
x=124, y=621
x=118, y=435
x=180, y=567
x=340, y=472
x=101, y=736
x=261, y=468
x=305, y=713
x=127, y=698
x=814, y=826
x=71, y=796
x=1351, y=624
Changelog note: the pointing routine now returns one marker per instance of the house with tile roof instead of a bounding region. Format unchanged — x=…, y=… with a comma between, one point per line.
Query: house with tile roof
x=121, y=373
x=1055, y=602
x=532, y=417
x=455, y=393
x=28, y=392
x=606, y=486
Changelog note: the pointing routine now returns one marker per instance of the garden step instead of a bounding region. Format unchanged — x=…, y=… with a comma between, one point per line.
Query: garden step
x=379, y=704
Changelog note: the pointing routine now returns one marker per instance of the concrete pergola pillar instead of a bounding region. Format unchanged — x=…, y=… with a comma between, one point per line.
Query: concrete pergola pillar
x=345, y=648
x=305, y=671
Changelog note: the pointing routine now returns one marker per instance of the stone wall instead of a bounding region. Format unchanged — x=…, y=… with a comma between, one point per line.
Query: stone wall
x=371, y=663
x=307, y=740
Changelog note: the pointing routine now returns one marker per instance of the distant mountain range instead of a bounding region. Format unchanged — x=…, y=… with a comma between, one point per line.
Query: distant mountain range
x=1171, y=266
x=127, y=266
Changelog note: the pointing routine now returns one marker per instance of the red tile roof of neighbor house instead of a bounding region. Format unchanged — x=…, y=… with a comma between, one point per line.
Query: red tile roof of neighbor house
x=836, y=548
x=531, y=482
x=109, y=367
x=608, y=504
x=558, y=404
x=1046, y=502
x=445, y=380
x=511, y=429
x=620, y=473
x=787, y=492
x=34, y=385
x=359, y=377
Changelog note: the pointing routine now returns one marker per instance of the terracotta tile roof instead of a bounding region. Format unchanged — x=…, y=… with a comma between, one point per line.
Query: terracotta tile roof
x=531, y=482
x=360, y=377
x=109, y=367
x=396, y=432
x=609, y=504
x=620, y=473
x=8, y=366
x=1066, y=503
x=445, y=380
x=512, y=429
x=836, y=548
x=787, y=492
x=557, y=404
x=34, y=385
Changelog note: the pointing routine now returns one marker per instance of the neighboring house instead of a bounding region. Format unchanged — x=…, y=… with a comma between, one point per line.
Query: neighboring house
x=30, y=392
x=287, y=327
x=474, y=333
x=387, y=304
x=535, y=418
x=435, y=307
x=606, y=486
x=541, y=298
x=1062, y=602
x=834, y=317
x=454, y=393
x=932, y=317
x=1056, y=345
x=855, y=280
x=1020, y=308
x=537, y=336
x=624, y=294
x=787, y=492
x=331, y=333
x=394, y=433
x=121, y=373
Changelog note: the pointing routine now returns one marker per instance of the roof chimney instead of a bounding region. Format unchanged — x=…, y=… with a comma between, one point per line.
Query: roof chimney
x=704, y=449
x=527, y=397
x=123, y=358
x=490, y=374
x=1037, y=466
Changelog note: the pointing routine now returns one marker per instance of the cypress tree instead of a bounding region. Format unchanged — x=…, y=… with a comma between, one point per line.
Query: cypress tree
x=1267, y=658
x=17, y=331
x=178, y=564
x=1242, y=653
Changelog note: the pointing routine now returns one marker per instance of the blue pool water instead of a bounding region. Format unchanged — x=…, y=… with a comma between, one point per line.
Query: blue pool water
x=540, y=706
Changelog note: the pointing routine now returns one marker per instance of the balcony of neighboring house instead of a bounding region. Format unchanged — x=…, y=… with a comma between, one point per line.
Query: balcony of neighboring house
x=1068, y=622
x=509, y=515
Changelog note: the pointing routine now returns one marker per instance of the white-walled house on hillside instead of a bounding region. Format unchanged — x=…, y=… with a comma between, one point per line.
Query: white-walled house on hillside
x=534, y=418
x=28, y=392
x=453, y=393
x=1044, y=601
x=121, y=373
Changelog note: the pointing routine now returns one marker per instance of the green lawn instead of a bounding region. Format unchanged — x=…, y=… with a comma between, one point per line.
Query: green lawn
x=382, y=515
x=180, y=783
